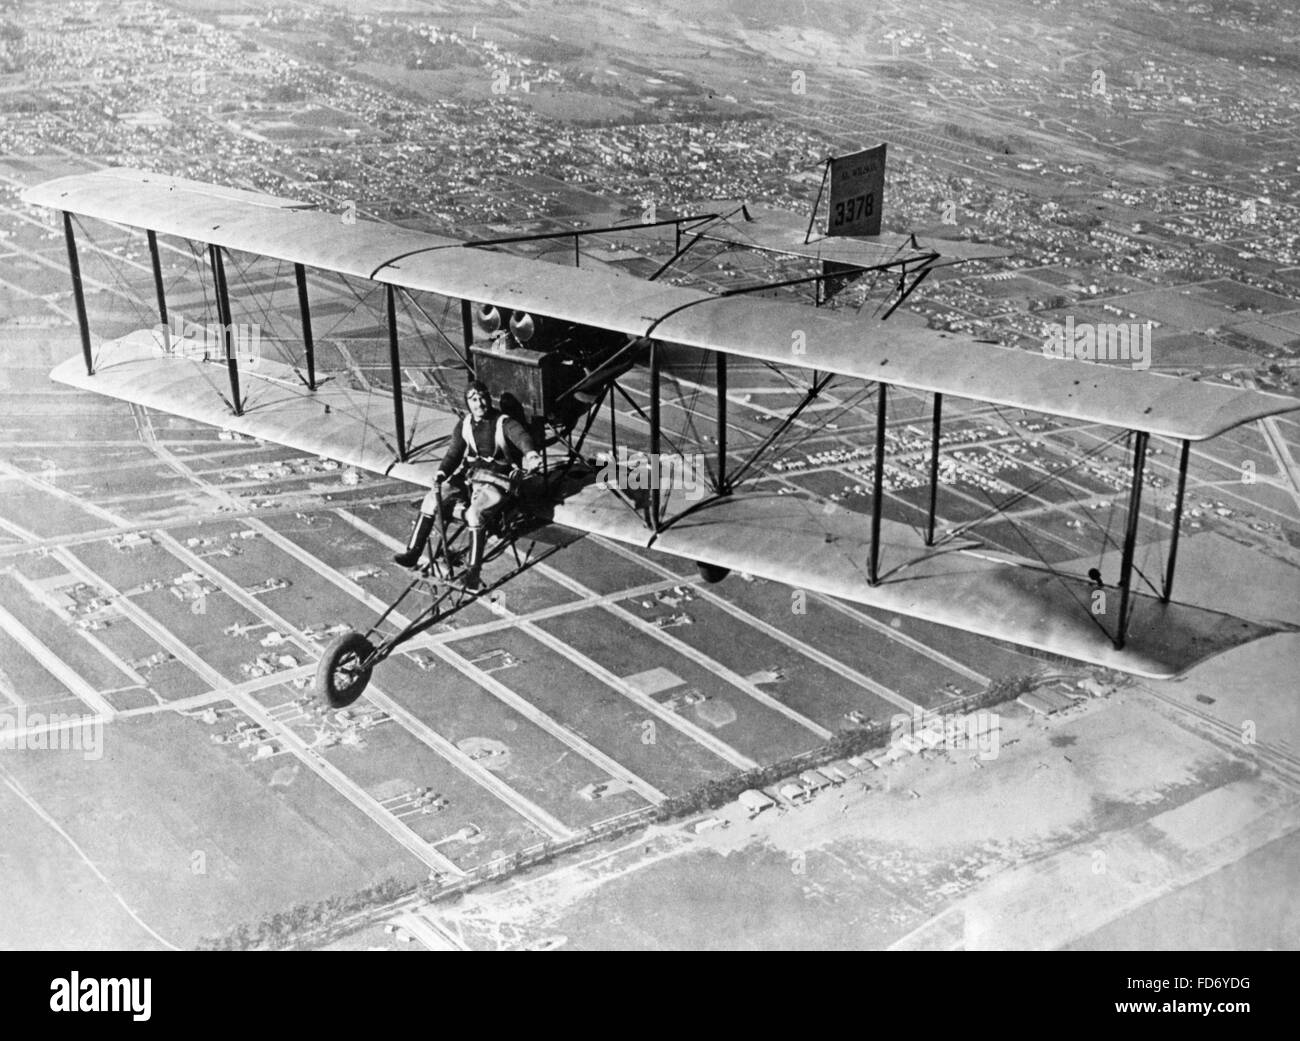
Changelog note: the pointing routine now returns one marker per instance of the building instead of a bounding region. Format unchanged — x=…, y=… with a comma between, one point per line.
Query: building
x=793, y=793
x=755, y=802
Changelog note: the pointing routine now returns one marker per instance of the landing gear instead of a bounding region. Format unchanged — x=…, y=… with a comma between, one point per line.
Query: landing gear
x=445, y=590
x=712, y=573
x=344, y=670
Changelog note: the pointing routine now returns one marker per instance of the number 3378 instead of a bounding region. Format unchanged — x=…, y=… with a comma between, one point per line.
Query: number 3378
x=854, y=209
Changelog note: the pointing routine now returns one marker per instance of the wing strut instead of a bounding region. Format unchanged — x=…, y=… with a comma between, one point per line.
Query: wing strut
x=878, y=482
x=156, y=263
x=223, y=317
x=654, y=435
x=1130, y=534
x=935, y=428
x=395, y=366
x=1178, y=520
x=722, y=488
x=826, y=169
x=613, y=425
x=78, y=294
x=304, y=309
x=467, y=324
x=905, y=290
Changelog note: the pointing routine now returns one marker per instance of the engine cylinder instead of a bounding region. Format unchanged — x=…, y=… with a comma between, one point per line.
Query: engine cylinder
x=487, y=319
x=523, y=326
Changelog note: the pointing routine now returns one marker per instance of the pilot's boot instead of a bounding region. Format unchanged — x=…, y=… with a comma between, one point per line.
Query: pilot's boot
x=420, y=532
x=477, y=540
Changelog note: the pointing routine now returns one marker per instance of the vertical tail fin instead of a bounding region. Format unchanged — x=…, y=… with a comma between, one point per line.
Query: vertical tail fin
x=857, y=193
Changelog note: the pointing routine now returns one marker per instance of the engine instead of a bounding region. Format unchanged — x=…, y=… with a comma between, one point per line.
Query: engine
x=533, y=360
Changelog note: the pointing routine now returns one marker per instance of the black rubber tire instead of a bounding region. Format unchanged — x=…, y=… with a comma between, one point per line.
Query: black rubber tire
x=341, y=660
x=712, y=573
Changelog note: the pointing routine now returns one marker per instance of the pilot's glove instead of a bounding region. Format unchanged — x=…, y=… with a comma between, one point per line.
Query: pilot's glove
x=439, y=477
x=532, y=462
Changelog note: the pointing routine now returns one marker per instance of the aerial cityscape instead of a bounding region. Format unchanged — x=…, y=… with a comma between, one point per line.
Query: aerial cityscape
x=609, y=749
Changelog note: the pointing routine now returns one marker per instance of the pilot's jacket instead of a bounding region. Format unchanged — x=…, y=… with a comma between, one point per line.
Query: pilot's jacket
x=492, y=446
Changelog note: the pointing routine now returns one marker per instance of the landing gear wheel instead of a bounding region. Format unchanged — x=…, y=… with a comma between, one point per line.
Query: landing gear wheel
x=712, y=573
x=345, y=669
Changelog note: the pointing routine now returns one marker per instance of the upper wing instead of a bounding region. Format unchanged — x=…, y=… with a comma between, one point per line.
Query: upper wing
x=769, y=330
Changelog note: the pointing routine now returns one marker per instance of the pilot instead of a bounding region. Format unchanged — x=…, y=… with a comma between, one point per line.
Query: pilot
x=475, y=477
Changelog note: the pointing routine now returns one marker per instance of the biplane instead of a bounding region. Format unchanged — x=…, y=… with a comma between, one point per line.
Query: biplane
x=560, y=342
